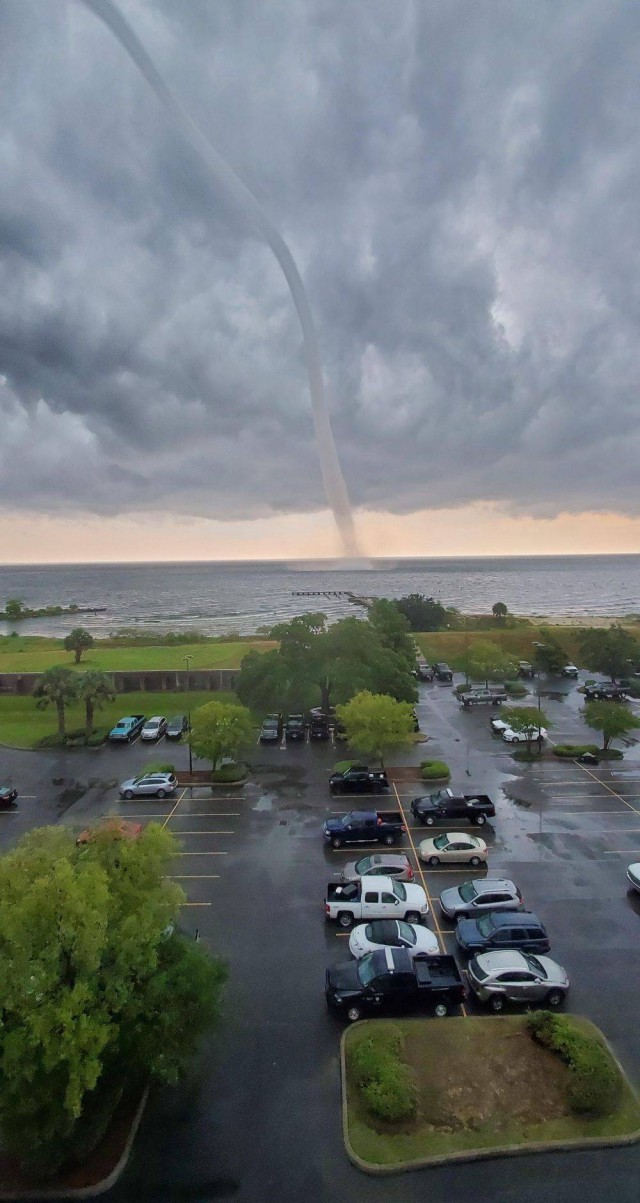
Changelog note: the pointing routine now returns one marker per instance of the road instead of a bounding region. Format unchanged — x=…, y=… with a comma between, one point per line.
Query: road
x=261, y=1117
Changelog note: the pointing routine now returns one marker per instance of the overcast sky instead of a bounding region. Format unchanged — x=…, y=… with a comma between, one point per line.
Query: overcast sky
x=459, y=183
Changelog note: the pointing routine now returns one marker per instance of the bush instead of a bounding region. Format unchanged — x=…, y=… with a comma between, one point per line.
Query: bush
x=159, y=766
x=595, y=1082
x=387, y=1083
x=51, y=741
x=434, y=770
x=516, y=689
x=573, y=750
x=229, y=773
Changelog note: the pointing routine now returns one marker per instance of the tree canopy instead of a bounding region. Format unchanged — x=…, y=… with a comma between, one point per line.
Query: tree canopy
x=95, y=689
x=393, y=628
x=609, y=650
x=327, y=664
x=423, y=613
x=78, y=641
x=549, y=656
x=488, y=662
x=612, y=719
x=97, y=986
x=58, y=686
x=376, y=724
x=499, y=611
x=526, y=720
x=219, y=730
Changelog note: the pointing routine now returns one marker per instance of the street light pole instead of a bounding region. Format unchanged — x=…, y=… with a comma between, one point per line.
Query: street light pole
x=188, y=660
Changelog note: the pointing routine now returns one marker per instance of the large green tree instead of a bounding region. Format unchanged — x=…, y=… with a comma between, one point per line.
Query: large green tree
x=58, y=686
x=549, y=656
x=95, y=689
x=219, y=730
x=376, y=724
x=612, y=719
x=98, y=989
x=327, y=664
x=78, y=641
x=488, y=662
x=499, y=611
x=609, y=650
x=526, y=720
x=393, y=628
x=14, y=609
x=423, y=613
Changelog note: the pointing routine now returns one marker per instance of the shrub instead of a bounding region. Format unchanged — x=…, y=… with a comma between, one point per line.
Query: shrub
x=516, y=689
x=229, y=773
x=434, y=770
x=51, y=741
x=387, y=1083
x=159, y=766
x=595, y=1081
x=573, y=750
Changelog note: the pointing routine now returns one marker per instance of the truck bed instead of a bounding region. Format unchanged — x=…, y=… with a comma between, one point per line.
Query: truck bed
x=437, y=972
x=343, y=892
x=484, y=798
x=389, y=816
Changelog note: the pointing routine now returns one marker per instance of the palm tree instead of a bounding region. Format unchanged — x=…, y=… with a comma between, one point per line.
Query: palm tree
x=94, y=688
x=78, y=641
x=58, y=686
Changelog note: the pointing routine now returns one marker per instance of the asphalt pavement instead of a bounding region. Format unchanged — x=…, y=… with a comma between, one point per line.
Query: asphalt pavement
x=260, y=1119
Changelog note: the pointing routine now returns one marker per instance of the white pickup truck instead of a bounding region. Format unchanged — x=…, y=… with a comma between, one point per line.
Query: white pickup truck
x=375, y=898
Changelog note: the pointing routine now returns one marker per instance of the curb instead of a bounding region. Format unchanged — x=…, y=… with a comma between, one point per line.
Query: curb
x=470, y=1155
x=214, y=784
x=98, y=1188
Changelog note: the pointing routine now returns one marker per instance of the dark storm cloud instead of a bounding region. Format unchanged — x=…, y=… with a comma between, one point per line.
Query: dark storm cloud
x=459, y=184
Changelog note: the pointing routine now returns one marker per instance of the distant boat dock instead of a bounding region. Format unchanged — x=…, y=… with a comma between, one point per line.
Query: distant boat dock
x=335, y=593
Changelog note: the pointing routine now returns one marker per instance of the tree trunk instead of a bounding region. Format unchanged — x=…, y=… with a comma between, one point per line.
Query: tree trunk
x=606, y=740
x=325, y=694
x=60, y=709
x=88, y=725
x=78, y=654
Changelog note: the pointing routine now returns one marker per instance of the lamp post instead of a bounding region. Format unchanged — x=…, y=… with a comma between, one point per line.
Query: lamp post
x=538, y=647
x=466, y=649
x=188, y=660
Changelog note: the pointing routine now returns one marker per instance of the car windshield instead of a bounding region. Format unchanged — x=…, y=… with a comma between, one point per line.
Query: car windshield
x=365, y=970
x=365, y=864
x=486, y=925
x=479, y=972
x=407, y=932
x=536, y=966
x=399, y=890
x=441, y=841
x=468, y=892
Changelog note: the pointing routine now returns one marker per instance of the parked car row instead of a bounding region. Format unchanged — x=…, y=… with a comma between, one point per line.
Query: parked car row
x=127, y=728
x=317, y=723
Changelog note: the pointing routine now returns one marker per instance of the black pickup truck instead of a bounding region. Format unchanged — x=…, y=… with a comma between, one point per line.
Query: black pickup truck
x=389, y=981
x=364, y=827
x=446, y=804
x=604, y=692
x=358, y=779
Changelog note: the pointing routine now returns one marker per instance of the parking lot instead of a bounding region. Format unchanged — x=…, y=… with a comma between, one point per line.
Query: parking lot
x=262, y=1119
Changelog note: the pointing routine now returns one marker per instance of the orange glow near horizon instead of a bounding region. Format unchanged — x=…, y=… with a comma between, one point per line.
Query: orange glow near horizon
x=483, y=529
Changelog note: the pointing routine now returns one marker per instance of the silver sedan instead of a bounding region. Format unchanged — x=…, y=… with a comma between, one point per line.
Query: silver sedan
x=379, y=864
x=497, y=978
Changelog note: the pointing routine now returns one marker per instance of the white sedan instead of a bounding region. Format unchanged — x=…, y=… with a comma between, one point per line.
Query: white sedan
x=392, y=933
x=522, y=737
x=454, y=846
x=498, y=725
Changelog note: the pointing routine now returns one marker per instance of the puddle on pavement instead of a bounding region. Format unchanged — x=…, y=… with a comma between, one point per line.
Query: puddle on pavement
x=264, y=802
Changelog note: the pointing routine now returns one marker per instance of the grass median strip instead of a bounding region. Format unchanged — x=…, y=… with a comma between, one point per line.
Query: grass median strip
x=483, y=1086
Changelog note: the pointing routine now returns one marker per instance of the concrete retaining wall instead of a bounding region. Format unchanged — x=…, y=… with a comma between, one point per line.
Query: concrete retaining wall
x=155, y=680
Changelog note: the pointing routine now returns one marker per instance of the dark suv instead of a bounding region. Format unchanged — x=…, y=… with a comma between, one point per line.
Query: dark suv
x=604, y=692
x=295, y=729
x=318, y=725
x=442, y=672
x=271, y=729
x=502, y=929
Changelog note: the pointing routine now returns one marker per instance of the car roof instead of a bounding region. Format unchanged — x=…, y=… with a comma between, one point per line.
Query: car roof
x=473, y=840
x=516, y=919
x=157, y=718
x=386, y=858
x=488, y=884
x=383, y=929
x=177, y=718
x=509, y=958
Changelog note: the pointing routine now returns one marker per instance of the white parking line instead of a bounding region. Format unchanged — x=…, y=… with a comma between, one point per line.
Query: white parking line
x=206, y=833
x=194, y=877
x=202, y=854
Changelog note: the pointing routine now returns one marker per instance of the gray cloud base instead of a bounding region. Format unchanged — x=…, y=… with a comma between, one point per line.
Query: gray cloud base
x=459, y=184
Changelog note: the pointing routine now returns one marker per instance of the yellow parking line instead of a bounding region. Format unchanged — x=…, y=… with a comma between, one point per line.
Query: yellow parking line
x=608, y=788
x=175, y=808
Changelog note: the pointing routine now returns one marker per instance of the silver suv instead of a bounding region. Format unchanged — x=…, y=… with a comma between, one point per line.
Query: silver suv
x=160, y=785
x=511, y=976
x=476, y=897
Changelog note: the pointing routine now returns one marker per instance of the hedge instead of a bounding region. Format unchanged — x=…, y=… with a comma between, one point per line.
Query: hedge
x=229, y=773
x=387, y=1083
x=573, y=750
x=434, y=770
x=595, y=1082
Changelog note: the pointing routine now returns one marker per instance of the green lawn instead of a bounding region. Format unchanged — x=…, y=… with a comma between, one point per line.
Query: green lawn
x=482, y=1083
x=30, y=655
x=22, y=725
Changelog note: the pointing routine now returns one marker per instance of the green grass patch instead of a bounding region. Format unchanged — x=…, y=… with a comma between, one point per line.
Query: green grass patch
x=22, y=725
x=455, y=647
x=434, y=770
x=31, y=655
x=481, y=1083
x=570, y=751
x=229, y=774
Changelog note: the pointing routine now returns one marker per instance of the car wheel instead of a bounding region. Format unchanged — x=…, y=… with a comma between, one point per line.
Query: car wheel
x=336, y=842
x=161, y=793
x=428, y=820
x=479, y=820
x=389, y=840
x=345, y=919
x=555, y=998
x=412, y=917
x=434, y=860
x=441, y=1010
x=353, y=1014
x=475, y=861
x=497, y=1003
x=128, y=793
